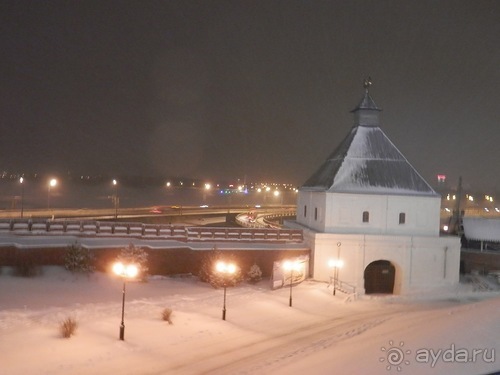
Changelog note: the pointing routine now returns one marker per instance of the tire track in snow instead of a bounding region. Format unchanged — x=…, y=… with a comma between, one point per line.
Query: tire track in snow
x=262, y=356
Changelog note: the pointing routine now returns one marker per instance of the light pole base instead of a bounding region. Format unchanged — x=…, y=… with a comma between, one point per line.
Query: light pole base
x=122, y=332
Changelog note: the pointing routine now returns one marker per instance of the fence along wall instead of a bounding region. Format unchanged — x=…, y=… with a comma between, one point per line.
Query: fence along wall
x=167, y=231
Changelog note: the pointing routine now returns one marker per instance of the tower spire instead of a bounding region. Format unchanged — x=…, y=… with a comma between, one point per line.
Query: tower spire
x=367, y=83
x=367, y=112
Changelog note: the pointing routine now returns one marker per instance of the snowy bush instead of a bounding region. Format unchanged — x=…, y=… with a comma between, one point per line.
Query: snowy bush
x=207, y=265
x=254, y=274
x=79, y=259
x=68, y=327
x=137, y=256
x=166, y=315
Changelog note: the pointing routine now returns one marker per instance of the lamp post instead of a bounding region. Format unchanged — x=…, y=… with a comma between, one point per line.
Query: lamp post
x=291, y=266
x=336, y=264
x=52, y=183
x=125, y=271
x=206, y=189
x=21, y=180
x=115, y=197
x=226, y=269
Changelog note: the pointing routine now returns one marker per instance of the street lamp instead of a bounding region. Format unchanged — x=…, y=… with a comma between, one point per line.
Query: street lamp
x=52, y=183
x=266, y=191
x=125, y=271
x=336, y=264
x=226, y=269
x=206, y=189
x=21, y=180
x=115, y=197
x=291, y=266
x=279, y=194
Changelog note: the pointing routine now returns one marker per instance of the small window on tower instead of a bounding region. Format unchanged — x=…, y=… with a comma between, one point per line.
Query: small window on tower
x=315, y=213
x=305, y=211
x=366, y=216
x=402, y=218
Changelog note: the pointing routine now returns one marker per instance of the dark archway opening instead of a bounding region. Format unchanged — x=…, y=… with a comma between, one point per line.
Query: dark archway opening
x=379, y=277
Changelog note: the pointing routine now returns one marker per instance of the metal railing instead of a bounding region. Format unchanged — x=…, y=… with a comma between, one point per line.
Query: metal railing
x=169, y=231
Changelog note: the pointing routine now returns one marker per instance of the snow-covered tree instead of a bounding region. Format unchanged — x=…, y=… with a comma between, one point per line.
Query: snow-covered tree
x=208, y=272
x=79, y=259
x=137, y=256
x=255, y=273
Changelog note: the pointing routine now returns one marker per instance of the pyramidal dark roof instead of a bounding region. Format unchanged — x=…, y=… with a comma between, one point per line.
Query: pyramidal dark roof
x=367, y=162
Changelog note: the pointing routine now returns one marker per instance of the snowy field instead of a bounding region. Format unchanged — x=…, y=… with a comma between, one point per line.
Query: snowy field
x=453, y=332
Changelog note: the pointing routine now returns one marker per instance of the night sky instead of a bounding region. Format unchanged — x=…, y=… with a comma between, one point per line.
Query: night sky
x=263, y=89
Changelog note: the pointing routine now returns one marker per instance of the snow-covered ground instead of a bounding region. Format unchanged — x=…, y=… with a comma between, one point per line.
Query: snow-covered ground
x=453, y=332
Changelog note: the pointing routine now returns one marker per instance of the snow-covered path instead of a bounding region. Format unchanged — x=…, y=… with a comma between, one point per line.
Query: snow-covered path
x=320, y=334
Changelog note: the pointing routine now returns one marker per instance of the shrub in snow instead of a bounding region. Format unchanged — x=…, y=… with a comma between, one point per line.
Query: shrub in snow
x=26, y=264
x=137, y=256
x=68, y=327
x=166, y=315
x=254, y=274
x=207, y=264
x=79, y=259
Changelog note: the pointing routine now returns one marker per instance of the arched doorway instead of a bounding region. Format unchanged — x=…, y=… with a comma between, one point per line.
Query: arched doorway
x=379, y=277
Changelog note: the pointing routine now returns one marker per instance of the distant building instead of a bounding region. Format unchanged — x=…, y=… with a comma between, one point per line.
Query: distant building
x=371, y=220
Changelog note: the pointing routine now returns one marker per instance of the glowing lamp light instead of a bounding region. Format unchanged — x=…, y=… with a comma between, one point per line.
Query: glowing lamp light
x=335, y=263
x=445, y=228
x=224, y=267
x=130, y=270
x=291, y=266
